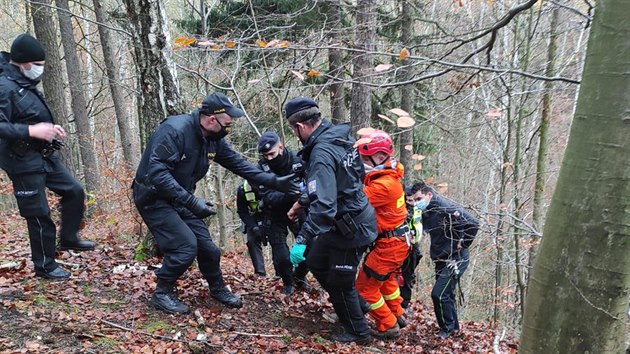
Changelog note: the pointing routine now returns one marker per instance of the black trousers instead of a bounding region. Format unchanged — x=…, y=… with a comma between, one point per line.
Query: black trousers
x=30, y=194
x=277, y=234
x=443, y=293
x=182, y=237
x=409, y=274
x=254, y=248
x=336, y=270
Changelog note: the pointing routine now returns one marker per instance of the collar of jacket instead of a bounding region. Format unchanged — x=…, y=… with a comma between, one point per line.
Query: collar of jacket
x=13, y=73
x=197, y=121
x=390, y=167
x=334, y=132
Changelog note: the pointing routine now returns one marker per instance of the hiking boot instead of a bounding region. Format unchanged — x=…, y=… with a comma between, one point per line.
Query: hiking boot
x=445, y=333
x=391, y=333
x=78, y=245
x=56, y=274
x=226, y=297
x=288, y=289
x=346, y=337
x=402, y=321
x=168, y=301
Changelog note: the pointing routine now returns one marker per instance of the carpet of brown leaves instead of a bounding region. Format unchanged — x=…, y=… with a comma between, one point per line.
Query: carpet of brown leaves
x=104, y=308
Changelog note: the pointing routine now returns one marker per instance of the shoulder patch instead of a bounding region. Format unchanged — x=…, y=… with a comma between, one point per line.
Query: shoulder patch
x=312, y=186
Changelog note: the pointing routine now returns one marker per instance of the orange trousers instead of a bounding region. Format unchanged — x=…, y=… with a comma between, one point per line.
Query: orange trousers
x=381, y=290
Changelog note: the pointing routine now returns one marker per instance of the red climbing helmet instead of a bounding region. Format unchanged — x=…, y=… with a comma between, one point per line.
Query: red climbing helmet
x=378, y=141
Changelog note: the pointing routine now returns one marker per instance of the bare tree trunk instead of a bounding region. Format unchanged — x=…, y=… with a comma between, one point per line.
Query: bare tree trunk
x=79, y=107
x=53, y=83
x=580, y=285
x=335, y=62
x=541, y=162
x=361, y=106
x=158, y=89
x=407, y=99
x=130, y=149
x=221, y=207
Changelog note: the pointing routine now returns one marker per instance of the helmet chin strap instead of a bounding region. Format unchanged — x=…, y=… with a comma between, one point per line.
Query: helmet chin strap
x=374, y=164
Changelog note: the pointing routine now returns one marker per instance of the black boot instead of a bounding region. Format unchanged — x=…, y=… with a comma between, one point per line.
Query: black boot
x=164, y=298
x=226, y=297
x=347, y=337
x=56, y=274
x=78, y=245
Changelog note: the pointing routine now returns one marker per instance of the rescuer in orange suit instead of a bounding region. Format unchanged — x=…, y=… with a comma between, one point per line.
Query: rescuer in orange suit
x=376, y=281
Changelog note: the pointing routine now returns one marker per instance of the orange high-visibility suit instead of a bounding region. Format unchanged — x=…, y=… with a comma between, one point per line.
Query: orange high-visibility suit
x=376, y=281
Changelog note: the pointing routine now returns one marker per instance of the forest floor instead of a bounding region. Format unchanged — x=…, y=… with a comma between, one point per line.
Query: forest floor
x=103, y=308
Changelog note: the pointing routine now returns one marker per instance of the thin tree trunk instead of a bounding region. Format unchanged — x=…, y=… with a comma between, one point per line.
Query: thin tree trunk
x=361, y=106
x=335, y=62
x=53, y=82
x=130, y=149
x=580, y=285
x=221, y=207
x=407, y=99
x=79, y=107
x=541, y=162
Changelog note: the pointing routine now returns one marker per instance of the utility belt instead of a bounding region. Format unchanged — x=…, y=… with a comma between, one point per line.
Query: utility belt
x=346, y=224
x=21, y=146
x=402, y=231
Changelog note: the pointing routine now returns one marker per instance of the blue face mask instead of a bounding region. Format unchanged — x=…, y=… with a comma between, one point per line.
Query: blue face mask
x=420, y=204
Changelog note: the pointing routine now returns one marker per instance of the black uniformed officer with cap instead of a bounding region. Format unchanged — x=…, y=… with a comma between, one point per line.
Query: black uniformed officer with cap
x=276, y=224
x=29, y=140
x=175, y=159
x=340, y=223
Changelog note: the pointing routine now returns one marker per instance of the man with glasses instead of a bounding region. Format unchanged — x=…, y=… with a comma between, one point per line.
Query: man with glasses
x=29, y=140
x=176, y=157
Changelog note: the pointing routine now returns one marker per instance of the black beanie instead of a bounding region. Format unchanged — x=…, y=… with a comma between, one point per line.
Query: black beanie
x=26, y=49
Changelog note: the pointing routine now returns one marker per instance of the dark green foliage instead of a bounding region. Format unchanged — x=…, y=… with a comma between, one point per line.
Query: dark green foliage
x=282, y=19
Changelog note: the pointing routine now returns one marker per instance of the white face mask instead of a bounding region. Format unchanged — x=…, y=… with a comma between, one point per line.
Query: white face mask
x=35, y=72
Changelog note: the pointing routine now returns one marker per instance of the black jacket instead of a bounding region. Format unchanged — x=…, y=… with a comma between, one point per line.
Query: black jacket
x=21, y=105
x=276, y=204
x=447, y=223
x=178, y=156
x=333, y=184
x=249, y=218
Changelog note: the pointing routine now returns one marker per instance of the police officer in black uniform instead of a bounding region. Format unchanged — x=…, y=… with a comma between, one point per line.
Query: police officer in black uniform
x=176, y=157
x=340, y=223
x=29, y=140
x=276, y=224
x=248, y=207
x=452, y=230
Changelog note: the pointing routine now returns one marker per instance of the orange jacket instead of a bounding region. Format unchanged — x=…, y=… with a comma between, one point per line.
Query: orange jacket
x=384, y=189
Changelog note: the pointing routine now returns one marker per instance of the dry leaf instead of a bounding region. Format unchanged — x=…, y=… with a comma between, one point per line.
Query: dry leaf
x=408, y=147
x=399, y=112
x=385, y=118
x=405, y=122
x=283, y=44
x=216, y=47
x=417, y=157
x=313, y=73
x=230, y=44
x=362, y=141
x=261, y=43
x=404, y=54
x=273, y=43
x=365, y=131
x=382, y=67
x=417, y=167
x=494, y=113
x=298, y=74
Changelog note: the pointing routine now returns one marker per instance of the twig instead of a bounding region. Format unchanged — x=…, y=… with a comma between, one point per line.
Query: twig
x=199, y=318
x=259, y=335
x=233, y=277
x=497, y=341
x=71, y=265
x=157, y=336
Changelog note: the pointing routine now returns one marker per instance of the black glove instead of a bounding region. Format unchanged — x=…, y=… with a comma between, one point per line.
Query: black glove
x=286, y=184
x=201, y=208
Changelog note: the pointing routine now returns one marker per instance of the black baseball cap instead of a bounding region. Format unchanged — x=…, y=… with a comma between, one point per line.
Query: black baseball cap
x=298, y=104
x=219, y=103
x=267, y=140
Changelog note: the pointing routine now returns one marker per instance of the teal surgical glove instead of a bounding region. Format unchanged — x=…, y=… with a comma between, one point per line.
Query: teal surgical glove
x=297, y=254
